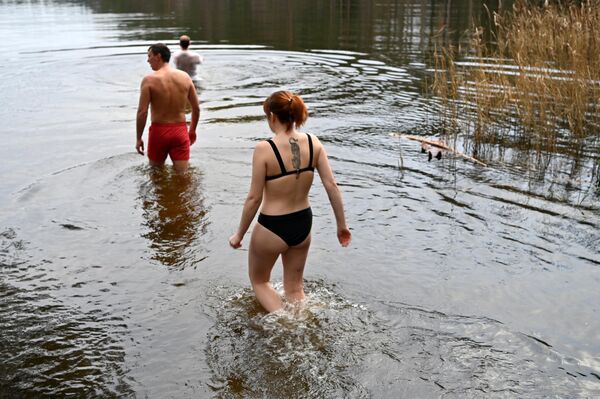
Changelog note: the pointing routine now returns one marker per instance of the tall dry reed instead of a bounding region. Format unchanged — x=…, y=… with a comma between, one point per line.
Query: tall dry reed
x=534, y=83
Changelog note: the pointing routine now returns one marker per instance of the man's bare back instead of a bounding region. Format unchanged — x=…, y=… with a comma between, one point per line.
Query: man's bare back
x=169, y=93
x=166, y=93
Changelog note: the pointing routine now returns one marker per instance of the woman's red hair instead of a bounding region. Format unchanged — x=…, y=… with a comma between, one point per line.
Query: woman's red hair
x=287, y=107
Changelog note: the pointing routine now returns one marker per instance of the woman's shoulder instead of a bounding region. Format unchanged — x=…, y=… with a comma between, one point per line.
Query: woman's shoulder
x=314, y=139
x=262, y=145
x=312, y=136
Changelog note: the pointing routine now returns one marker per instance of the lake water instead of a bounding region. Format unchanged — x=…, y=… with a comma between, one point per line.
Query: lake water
x=117, y=280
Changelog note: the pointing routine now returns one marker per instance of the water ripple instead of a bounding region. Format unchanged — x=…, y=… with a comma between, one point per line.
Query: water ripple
x=314, y=350
x=51, y=348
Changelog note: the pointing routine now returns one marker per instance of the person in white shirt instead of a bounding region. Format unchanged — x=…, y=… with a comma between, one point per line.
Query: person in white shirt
x=185, y=59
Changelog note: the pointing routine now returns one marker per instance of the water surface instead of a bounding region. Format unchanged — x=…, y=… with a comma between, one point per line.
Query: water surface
x=117, y=280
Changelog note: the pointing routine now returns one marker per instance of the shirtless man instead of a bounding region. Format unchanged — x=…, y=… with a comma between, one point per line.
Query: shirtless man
x=166, y=92
x=185, y=59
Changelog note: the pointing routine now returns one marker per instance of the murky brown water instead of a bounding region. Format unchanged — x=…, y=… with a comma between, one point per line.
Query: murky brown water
x=117, y=280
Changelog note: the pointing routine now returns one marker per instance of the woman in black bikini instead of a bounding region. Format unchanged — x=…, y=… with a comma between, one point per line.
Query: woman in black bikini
x=282, y=174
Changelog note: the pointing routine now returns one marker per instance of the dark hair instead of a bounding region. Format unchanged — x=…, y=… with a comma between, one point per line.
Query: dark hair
x=184, y=43
x=162, y=49
x=287, y=107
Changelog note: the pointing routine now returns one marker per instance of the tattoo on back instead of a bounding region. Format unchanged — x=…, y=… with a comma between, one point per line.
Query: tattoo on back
x=295, y=155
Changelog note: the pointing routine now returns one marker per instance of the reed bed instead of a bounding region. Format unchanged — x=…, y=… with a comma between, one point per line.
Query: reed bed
x=530, y=80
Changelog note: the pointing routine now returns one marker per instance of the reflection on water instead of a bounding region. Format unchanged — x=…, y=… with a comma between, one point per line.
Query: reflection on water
x=174, y=214
x=76, y=289
x=49, y=347
x=466, y=356
x=397, y=28
x=98, y=258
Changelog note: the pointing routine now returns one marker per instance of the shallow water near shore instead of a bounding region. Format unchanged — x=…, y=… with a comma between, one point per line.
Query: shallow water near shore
x=116, y=279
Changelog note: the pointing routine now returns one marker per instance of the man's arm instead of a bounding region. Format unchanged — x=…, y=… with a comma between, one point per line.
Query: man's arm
x=193, y=99
x=142, y=114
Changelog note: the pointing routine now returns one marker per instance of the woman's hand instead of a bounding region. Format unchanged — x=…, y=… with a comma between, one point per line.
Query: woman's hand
x=235, y=241
x=344, y=236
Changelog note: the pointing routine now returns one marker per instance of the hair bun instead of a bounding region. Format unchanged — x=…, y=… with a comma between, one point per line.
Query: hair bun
x=288, y=107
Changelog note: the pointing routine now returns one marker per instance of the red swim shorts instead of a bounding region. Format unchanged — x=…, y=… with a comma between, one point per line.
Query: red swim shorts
x=168, y=138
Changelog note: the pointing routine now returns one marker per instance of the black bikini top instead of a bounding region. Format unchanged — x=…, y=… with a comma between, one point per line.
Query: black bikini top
x=291, y=172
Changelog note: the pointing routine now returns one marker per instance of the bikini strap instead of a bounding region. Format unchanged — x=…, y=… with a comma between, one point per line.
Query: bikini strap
x=310, y=151
x=277, y=155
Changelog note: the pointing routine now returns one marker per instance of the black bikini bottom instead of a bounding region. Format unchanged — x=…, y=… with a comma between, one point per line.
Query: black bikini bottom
x=292, y=228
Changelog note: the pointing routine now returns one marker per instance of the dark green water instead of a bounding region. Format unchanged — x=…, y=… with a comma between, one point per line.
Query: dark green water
x=117, y=281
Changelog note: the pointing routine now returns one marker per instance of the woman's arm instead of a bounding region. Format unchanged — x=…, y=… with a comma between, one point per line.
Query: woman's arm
x=335, y=197
x=255, y=194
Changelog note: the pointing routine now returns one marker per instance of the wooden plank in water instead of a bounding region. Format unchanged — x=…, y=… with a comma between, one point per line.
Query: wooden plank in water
x=438, y=144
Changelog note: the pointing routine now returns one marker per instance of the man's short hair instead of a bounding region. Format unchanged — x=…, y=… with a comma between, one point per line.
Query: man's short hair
x=185, y=43
x=162, y=49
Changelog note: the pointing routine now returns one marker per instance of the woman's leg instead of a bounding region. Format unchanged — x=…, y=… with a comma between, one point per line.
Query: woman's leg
x=265, y=247
x=294, y=260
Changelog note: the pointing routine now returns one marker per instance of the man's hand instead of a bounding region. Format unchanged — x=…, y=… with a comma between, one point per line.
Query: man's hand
x=192, y=137
x=139, y=146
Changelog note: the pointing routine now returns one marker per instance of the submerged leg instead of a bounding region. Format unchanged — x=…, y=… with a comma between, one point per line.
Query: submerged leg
x=155, y=164
x=265, y=247
x=294, y=260
x=180, y=166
